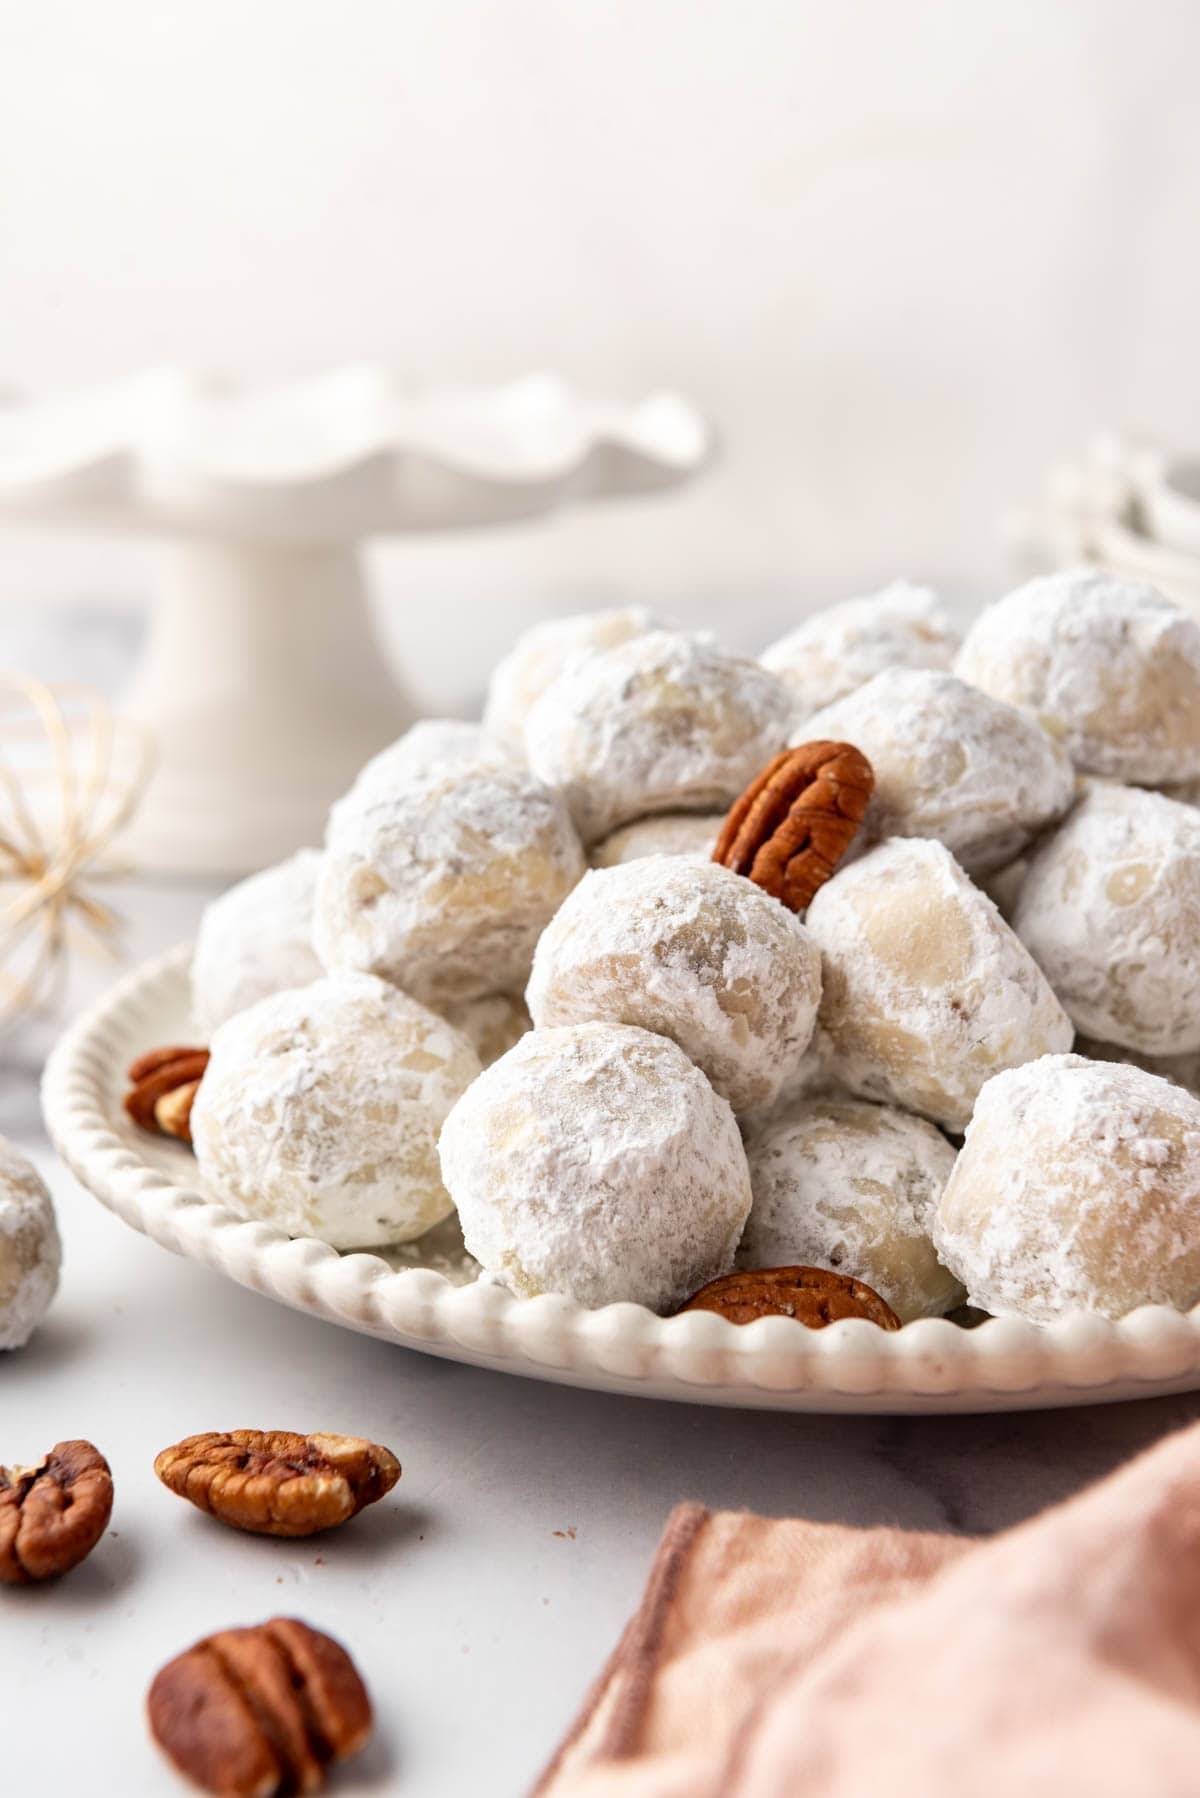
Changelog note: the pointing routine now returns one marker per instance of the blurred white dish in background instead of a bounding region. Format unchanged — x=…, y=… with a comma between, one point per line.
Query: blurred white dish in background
x=262, y=681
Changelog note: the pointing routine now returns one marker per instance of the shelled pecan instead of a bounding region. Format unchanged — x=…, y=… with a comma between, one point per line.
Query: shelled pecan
x=163, y=1084
x=52, y=1515
x=793, y=824
x=248, y=1713
x=275, y=1482
x=811, y=1295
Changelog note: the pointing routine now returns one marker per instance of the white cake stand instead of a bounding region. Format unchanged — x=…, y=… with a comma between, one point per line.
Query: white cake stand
x=262, y=680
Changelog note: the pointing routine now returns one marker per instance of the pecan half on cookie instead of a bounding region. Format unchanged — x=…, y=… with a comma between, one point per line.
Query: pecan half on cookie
x=248, y=1713
x=811, y=1295
x=53, y=1515
x=793, y=824
x=162, y=1086
x=276, y=1483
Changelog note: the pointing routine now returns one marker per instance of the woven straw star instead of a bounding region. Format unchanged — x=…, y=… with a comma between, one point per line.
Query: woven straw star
x=71, y=774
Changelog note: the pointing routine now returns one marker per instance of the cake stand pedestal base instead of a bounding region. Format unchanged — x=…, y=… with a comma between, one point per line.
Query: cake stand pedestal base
x=266, y=691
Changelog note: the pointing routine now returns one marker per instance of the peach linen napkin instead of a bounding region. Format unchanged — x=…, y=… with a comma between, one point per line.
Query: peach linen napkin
x=783, y=1659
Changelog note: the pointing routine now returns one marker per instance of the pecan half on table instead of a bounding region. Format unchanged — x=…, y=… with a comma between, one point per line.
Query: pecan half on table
x=276, y=1483
x=811, y=1295
x=249, y=1713
x=163, y=1085
x=53, y=1515
x=795, y=822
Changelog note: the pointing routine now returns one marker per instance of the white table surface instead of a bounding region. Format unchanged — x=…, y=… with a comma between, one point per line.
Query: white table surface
x=476, y=1616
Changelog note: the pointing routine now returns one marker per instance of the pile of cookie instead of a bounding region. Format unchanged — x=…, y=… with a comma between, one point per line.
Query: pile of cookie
x=879, y=956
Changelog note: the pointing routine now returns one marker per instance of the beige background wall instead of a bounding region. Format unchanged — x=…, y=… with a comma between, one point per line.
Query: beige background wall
x=906, y=254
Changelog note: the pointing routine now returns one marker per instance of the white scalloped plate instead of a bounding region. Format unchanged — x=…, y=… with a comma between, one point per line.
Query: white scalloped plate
x=424, y=1297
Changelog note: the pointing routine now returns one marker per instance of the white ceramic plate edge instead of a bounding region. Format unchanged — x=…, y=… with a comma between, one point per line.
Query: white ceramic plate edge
x=929, y=1366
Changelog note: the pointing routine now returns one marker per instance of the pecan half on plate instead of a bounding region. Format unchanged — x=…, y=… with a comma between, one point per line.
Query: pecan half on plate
x=811, y=1295
x=276, y=1483
x=253, y=1712
x=793, y=824
x=163, y=1084
x=53, y=1515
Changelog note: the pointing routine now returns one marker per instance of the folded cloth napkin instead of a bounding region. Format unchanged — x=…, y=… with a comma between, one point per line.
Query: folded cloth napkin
x=782, y=1659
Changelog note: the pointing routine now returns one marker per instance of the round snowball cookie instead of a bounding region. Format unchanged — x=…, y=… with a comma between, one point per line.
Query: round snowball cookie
x=1110, y=911
x=256, y=939
x=444, y=884
x=693, y=834
x=1078, y=1189
x=840, y=649
x=320, y=1109
x=491, y=1025
x=431, y=747
x=539, y=656
x=692, y=951
x=597, y=1161
x=951, y=763
x=853, y=1187
x=663, y=723
x=1110, y=666
x=926, y=991
x=30, y=1251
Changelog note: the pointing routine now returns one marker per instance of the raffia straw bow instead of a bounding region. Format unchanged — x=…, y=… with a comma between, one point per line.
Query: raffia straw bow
x=71, y=775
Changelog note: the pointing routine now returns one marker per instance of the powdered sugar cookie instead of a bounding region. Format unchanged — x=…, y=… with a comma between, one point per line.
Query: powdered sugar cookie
x=952, y=763
x=927, y=993
x=842, y=1184
x=841, y=648
x=1078, y=1189
x=30, y=1251
x=539, y=656
x=320, y=1111
x=1109, y=666
x=256, y=939
x=693, y=834
x=444, y=883
x=663, y=723
x=1110, y=911
x=693, y=952
x=597, y=1161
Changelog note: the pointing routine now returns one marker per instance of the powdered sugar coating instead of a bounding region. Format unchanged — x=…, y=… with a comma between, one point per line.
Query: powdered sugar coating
x=30, y=1250
x=1110, y=910
x=841, y=648
x=491, y=1024
x=320, y=1111
x=443, y=884
x=256, y=939
x=1078, y=1189
x=853, y=1187
x=597, y=1161
x=663, y=723
x=539, y=656
x=431, y=747
x=693, y=834
x=691, y=951
x=1110, y=666
x=927, y=993
x=952, y=763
